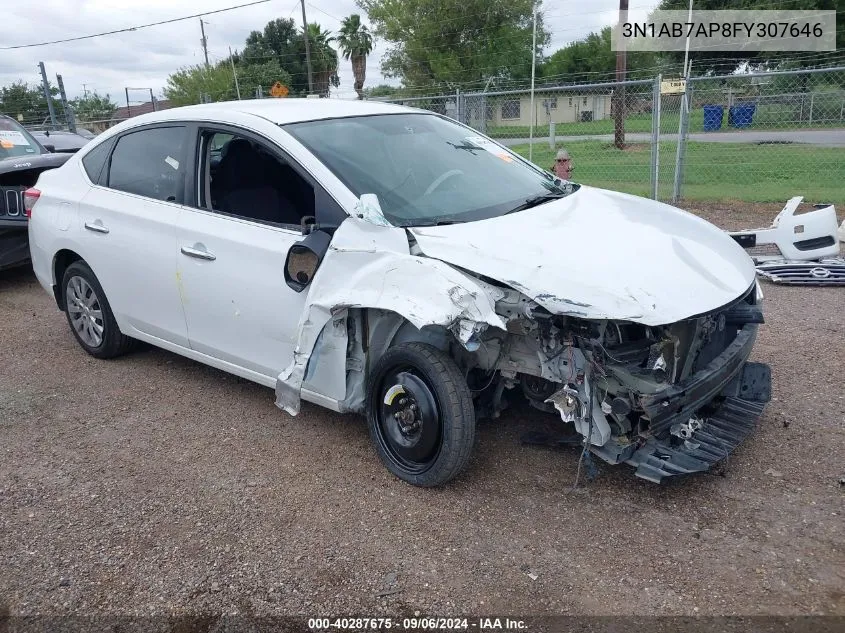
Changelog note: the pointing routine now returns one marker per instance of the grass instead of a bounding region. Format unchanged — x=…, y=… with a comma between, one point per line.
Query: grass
x=767, y=117
x=713, y=171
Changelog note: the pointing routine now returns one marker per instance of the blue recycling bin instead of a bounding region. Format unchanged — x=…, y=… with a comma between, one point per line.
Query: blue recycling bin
x=713, y=115
x=741, y=114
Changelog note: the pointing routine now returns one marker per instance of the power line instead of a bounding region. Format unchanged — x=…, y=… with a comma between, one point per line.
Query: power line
x=135, y=28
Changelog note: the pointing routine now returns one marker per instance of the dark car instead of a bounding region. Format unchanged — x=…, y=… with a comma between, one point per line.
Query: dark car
x=22, y=159
x=61, y=141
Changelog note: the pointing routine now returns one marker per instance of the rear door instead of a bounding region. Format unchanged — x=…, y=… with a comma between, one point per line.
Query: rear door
x=129, y=222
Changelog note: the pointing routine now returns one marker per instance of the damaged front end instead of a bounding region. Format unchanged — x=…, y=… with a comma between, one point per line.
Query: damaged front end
x=669, y=400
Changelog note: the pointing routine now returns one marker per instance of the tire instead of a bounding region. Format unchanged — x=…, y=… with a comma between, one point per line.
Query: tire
x=89, y=315
x=420, y=414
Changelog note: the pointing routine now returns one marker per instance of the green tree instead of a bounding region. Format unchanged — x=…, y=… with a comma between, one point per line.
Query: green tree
x=282, y=41
x=592, y=59
x=324, y=59
x=446, y=44
x=193, y=84
x=356, y=42
x=20, y=99
x=93, y=107
x=727, y=62
x=260, y=75
x=382, y=90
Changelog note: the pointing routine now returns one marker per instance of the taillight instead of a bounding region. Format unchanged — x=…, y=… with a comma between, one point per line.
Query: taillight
x=30, y=197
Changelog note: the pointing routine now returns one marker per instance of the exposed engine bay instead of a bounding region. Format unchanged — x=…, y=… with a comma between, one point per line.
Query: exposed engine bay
x=668, y=399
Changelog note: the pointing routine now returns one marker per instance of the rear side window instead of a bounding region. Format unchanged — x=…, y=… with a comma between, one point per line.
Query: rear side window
x=150, y=163
x=95, y=160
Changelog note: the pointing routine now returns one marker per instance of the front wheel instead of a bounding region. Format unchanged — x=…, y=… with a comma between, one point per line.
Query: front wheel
x=420, y=414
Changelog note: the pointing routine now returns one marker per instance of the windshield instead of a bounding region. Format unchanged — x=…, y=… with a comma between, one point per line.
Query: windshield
x=425, y=169
x=15, y=141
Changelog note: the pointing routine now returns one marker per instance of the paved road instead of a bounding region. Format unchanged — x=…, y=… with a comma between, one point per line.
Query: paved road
x=826, y=138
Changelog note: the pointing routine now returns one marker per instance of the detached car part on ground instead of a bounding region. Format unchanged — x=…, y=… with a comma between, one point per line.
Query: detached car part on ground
x=798, y=249
x=22, y=159
x=440, y=272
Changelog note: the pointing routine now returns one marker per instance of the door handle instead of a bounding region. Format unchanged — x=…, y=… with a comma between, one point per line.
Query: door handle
x=97, y=227
x=198, y=253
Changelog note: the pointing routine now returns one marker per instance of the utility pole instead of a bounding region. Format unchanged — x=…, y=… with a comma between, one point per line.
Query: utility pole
x=204, y=42
x=235, y=73
x=85, y=90
x=307, y=49
x=619, y=92
x=128, y=109
x=47, y=94
x=69, y=118
x=153, y=101
x=533, y=65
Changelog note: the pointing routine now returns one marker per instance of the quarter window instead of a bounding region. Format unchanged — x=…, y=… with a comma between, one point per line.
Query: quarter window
x=150, y=163
x=95, y=160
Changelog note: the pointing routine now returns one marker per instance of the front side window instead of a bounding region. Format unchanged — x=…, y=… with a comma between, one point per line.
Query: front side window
x=425, y=169
x=15, y=140
x=150, y=163
x=244, y=178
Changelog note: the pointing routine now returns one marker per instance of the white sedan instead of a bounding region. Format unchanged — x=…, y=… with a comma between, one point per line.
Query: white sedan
x=378, y=259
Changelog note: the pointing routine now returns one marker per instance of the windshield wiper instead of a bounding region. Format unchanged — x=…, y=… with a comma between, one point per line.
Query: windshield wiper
x=429, y=223
x=535, y=201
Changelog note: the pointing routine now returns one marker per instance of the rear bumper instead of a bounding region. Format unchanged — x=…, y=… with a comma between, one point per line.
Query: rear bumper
x=14, y=244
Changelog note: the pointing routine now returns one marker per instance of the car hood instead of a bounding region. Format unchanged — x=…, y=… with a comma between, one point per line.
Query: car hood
x=599, y=254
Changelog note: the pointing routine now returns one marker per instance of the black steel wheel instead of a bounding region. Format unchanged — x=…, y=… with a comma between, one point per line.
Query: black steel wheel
x=420, y=414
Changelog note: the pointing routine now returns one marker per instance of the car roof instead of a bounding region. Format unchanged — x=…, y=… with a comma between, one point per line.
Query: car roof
x=280, y=111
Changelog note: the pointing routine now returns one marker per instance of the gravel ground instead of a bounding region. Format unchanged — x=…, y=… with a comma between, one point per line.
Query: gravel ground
x=152, y=484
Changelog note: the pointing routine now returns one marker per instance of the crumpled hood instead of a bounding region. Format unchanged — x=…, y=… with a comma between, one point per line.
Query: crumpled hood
x=599, y=254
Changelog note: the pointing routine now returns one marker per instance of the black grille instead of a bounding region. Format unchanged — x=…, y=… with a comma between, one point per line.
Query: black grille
x=11, y=202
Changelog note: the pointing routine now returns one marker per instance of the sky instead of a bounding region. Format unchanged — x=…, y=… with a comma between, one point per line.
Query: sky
x=143, y=59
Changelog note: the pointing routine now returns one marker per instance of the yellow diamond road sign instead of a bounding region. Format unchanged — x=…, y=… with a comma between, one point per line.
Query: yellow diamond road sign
x=278, y=90
x=673, y=86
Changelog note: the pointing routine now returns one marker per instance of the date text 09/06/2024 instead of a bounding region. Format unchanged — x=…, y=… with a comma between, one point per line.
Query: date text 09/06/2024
x=416, y=624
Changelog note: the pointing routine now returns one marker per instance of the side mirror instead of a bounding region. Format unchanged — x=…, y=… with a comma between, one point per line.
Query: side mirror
x=304, y=258
x=50, y=147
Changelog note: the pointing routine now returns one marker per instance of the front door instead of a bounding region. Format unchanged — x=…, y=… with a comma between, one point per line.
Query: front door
x=232, y=251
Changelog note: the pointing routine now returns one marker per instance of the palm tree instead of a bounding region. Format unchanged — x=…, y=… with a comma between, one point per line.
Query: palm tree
x=323, y=59
x=356, y=43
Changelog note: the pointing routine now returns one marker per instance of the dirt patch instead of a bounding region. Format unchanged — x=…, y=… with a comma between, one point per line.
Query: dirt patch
x=734, y=215
x=152, y=484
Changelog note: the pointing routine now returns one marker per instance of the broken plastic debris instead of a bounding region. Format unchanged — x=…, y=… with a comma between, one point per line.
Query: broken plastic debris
x=368, y=209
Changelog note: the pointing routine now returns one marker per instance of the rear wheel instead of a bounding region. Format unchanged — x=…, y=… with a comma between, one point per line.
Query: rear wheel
x=420, y=414
x=89, y=314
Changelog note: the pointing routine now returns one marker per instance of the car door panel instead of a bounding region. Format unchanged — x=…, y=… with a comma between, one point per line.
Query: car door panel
x=128, y=223
x=130, y=244
x=237, y=305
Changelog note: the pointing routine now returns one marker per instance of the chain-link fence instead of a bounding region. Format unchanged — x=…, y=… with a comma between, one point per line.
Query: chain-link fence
x=761, y=137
